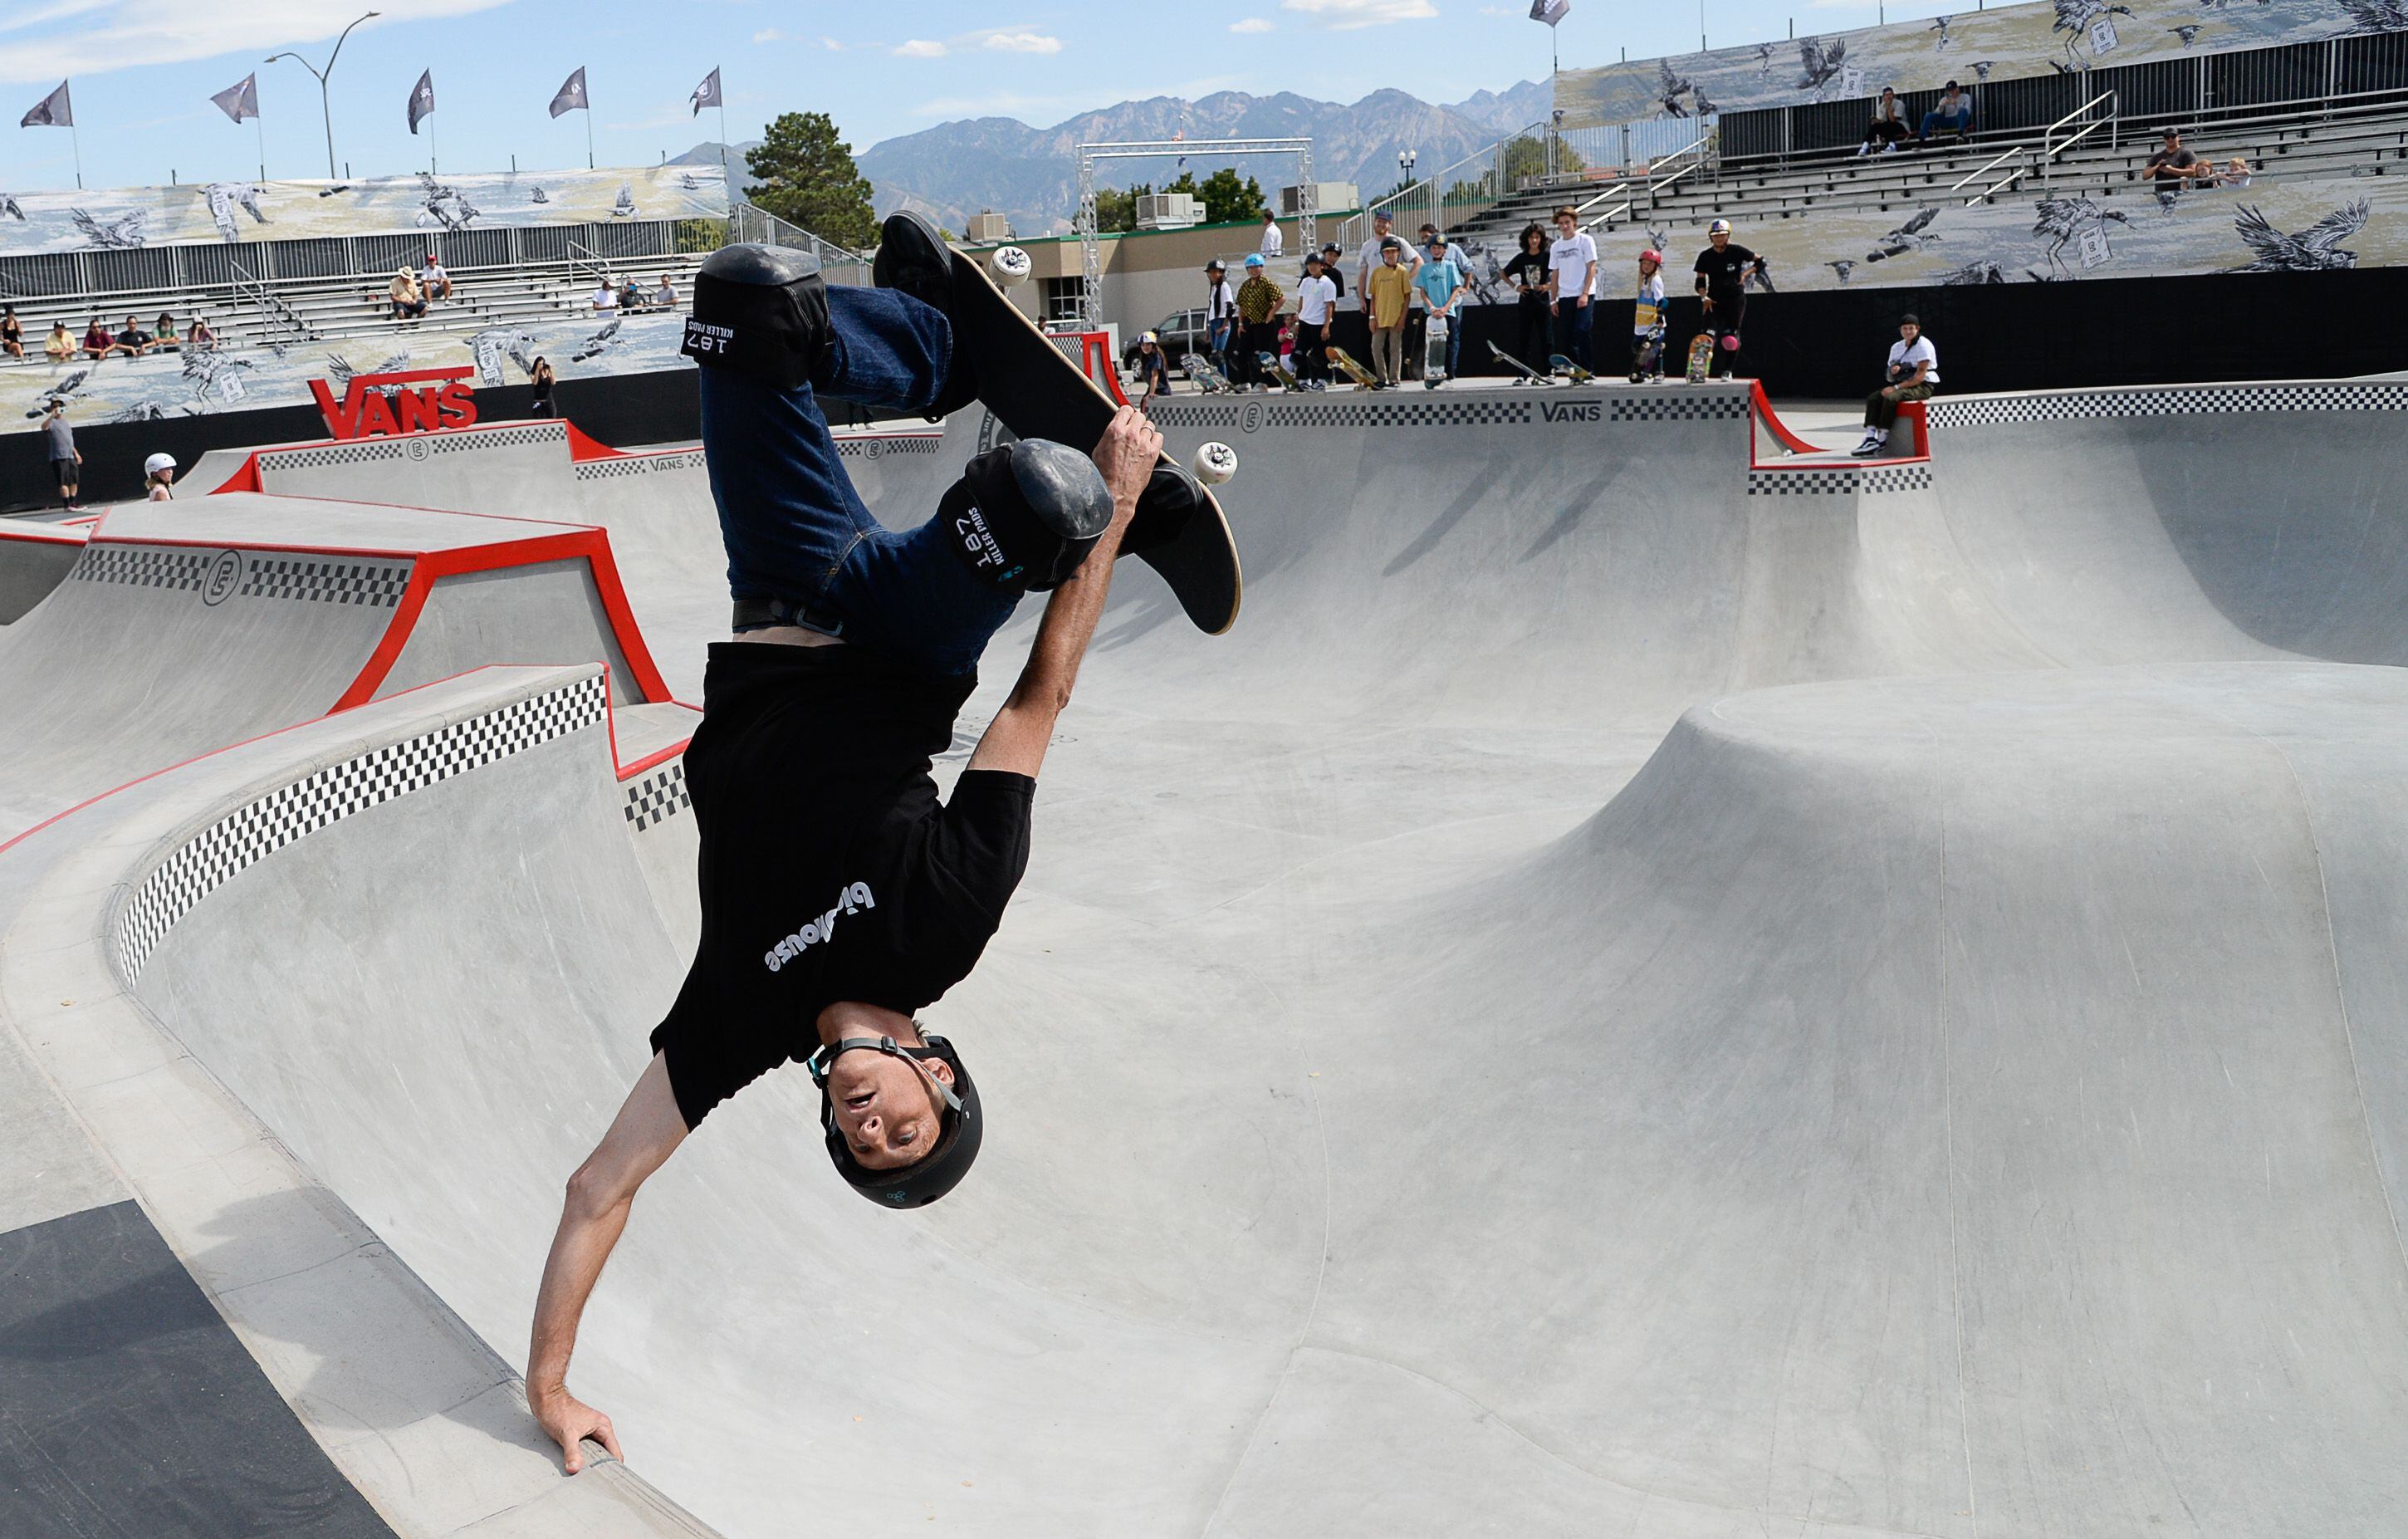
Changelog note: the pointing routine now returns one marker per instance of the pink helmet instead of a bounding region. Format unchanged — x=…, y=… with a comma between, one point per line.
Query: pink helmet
x=1652, y=254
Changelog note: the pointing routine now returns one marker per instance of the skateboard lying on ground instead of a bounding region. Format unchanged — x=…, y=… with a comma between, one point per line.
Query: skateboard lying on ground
x=1348, y=367
x=1569, y=369
x=1277, y=371
x=1037, y=392
x=1200, y=370
x=1701, y=356
x=1527, y=376
x=1434, y=351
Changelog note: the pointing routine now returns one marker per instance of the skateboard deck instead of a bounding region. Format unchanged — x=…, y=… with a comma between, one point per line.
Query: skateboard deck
x=1565, y=367
x=1277, y=371
x=1434, y=351
x=1200, y=369
x=1701, y=356
x=1352, y=370
x=1527, y=374
x=1037, y=392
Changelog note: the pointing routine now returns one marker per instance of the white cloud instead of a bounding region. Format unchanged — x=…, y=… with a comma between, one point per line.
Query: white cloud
x=1350, y=15
x=1021, y=42
x=998, y=105
x=920, y=48
x=118, y=34
x=1252, y=24
x=831, y=45
x=777, y=34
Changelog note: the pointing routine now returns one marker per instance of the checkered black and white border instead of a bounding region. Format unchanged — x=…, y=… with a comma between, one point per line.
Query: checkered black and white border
x=639, y=465
x=657, y=797
x=1712, y=406
x=880, y=447
x=243, y=838
x=2185, y=401
x=376, y=584
x=1433, y=410
x=411, y=446
x=1840, y=480
x=138, y=566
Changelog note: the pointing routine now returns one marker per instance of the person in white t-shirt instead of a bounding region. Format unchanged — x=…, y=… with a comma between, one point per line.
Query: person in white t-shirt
x=1572, y=286
x=606, y=297
x=1383, y=231
x=1914, y=373
x=1273, y=241
x=1316, y=304
x=432, y=280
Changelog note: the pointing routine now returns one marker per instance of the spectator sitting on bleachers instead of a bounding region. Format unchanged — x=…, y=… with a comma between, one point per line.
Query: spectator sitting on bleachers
x=2173, y=165
x=60, y=346
x=1953, y=115
x=606, y=296
x=1888, y=128
x=133, y=341
x=665, y=296
x=631, y=295
x=433, y=281
x=12, y=334
x=200, y=338
x=408, y=300
x=97, y=342
x=164, y=331
x=2236, y=175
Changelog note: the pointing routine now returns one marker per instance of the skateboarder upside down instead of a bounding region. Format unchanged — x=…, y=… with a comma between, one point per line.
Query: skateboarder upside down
x=838, y=895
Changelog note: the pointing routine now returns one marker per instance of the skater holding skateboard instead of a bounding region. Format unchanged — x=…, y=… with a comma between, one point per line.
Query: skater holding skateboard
x=1440, y=282
x=839, y=896
x=1317, y=306
x=1647, y=321
x=1722, y=272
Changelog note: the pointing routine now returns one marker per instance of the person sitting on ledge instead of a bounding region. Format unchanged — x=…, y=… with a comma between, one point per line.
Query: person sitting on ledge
x=1914, y=371
x=1888, y=130
x=1953, y=115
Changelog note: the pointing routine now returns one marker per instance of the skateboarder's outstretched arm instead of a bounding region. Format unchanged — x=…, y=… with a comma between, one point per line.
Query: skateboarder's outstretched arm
x=647, y=1130
x=1017, y=738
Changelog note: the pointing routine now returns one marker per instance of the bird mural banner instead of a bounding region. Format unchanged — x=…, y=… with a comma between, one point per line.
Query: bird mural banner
x=53, y=112
x=1973, y=45
x=571, y=97
x=239, y=100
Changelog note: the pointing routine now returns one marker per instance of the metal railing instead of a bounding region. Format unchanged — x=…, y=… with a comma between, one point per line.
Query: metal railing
x=1699, y=149
x=282, y=322
x=1447, y=196
x=838, y=264
x=2044, y=155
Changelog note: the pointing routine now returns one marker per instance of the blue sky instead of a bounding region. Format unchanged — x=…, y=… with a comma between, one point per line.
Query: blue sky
x=143, y=70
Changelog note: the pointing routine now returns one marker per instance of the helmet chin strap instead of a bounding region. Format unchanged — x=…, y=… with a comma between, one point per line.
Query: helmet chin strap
x=821, y=1061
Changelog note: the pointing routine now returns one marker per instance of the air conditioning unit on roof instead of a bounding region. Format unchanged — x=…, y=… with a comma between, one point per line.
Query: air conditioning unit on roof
x=1169, y=211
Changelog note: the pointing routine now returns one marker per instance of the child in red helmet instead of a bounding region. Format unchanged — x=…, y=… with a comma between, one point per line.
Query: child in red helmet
x=1647, y=321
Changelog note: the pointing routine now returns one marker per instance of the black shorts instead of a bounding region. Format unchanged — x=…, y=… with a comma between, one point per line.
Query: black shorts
x=66, y=471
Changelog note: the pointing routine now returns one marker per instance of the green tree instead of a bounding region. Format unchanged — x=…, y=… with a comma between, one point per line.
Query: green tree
x=1116, y=209
x=1227, y=199
x=804, y=175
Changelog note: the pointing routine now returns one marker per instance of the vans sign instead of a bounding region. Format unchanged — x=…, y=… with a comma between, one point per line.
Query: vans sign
x=383, y=405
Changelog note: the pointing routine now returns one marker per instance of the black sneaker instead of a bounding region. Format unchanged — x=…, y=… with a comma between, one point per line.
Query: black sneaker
x=914, y=259
x=1865, y=450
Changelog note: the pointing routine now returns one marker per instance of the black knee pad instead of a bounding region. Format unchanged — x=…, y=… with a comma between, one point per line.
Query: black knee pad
x=1024, y=514
x=760, y=311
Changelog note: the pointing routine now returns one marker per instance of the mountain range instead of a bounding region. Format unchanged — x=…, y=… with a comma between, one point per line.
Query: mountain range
x=1030, y=175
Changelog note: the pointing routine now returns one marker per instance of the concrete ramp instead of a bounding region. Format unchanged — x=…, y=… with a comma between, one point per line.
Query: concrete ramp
x=185, y=626
x=33, y=559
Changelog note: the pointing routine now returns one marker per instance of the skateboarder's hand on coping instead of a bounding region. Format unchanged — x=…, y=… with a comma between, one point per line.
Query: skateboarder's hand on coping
x=569, y=1421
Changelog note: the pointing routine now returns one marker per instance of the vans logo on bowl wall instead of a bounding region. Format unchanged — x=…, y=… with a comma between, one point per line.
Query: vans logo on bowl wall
x=367, y=410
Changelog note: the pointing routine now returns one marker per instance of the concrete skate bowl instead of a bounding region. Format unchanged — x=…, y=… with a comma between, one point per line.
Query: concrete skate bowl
x=1467, y=1056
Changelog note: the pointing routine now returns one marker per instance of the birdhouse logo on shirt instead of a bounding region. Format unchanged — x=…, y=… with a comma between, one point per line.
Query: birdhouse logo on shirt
x=852, y=899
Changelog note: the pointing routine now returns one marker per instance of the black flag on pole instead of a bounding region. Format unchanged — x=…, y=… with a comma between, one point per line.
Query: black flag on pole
x=240, y=100
x=571, y=94
x=707, y=93
x=1550, y=11
x=422, y=99
x=51, y=111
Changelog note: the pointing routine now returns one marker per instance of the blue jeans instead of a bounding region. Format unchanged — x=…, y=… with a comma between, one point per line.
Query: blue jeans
x=795, y=528
x=1954, y=122
x=1574, y=321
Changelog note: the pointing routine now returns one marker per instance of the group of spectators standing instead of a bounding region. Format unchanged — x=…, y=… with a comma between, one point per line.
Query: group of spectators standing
x=99, y=342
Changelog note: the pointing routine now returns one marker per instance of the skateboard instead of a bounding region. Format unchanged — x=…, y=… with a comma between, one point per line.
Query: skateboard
x=1201, y=371
x=1701, y=356
x=1352, y=370
x=1527, y=376
x=1434, y=351
x=1571, y=370
x=1277, y=371
x=1648, y=358
x=1033, y=389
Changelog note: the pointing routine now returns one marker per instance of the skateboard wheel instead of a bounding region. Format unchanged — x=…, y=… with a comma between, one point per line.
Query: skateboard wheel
x=1214, y=462
x=1010, y=265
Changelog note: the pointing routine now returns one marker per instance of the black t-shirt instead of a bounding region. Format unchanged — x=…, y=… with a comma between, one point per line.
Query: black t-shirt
x=1725, y=270
x=1330, y=270
x=1529, y=267
x=2171, y=160
x=829, y=870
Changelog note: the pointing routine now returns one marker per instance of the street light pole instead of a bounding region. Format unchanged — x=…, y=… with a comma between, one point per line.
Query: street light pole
x=325, y=106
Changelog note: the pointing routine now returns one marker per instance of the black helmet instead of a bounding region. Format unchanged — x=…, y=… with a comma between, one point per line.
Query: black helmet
x=917, y=1185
